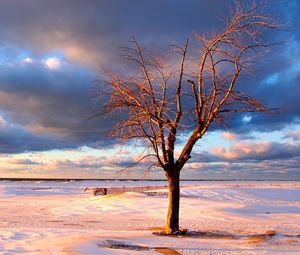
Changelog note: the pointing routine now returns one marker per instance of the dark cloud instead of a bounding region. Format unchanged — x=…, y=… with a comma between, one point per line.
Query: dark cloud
x=247, y=160
x=24, y=162
x=268, y=169
x=45, y=109
x=97, y=28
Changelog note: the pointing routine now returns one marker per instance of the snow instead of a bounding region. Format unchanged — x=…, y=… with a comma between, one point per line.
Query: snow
x=27, y=188
x=59, y=218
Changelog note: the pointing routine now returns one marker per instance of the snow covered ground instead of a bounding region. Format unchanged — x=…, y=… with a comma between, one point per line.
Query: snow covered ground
x=227, y=217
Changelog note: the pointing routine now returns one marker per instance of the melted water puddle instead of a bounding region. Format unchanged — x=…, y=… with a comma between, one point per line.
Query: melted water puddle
x=112, y=244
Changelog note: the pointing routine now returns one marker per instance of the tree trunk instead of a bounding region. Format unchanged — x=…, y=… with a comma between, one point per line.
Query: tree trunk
x=172, y=223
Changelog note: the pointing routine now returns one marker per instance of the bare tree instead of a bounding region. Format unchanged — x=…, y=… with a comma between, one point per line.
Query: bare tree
x=160, y=101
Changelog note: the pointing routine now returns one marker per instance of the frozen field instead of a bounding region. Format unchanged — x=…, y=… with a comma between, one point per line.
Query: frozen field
x=226, y=217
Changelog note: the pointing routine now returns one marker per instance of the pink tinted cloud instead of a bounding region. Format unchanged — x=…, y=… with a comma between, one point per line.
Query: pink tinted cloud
x=229, y=136
x=295, y=135
x=256, y=151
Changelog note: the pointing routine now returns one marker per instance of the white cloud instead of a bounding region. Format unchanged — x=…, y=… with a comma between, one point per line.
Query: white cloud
x=247, y=119
x=272, y=79
x=52, y=63
x=2, y=121
x=28, y=60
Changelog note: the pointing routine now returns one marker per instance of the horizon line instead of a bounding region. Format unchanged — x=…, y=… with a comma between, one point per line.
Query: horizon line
x=130, y=179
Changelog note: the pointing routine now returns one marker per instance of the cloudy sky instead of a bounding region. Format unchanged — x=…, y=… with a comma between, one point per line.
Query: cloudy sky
x=52, y=51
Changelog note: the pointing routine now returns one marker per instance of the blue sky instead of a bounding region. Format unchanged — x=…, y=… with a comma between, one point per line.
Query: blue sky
x=51, y=53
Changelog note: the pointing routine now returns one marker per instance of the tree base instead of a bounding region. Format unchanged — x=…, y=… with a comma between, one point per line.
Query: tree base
x=181, y=232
